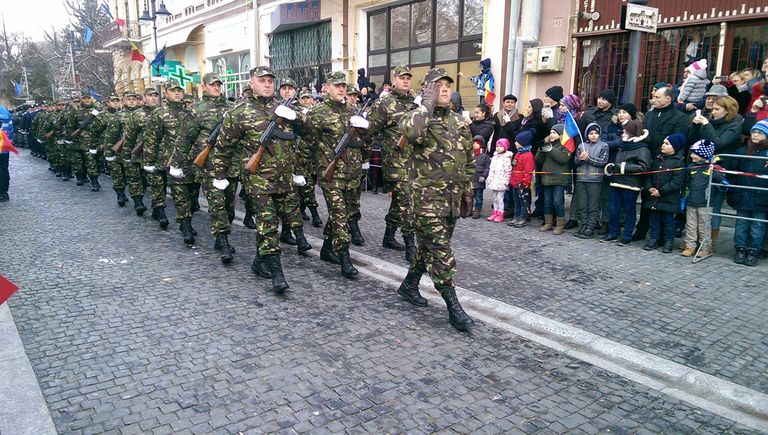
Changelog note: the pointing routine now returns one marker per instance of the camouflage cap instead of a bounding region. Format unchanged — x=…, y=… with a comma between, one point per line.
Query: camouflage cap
x=84, y=94
x=288, y=82
x=173, y=84
x=261, y=71
x=127, y=94
x=402, y=70
x=352, y=89
x=114, y=97
x=336, y=78
x=305, y=94
x=210, y=78
x=436, y=74
x=150, y=91
x=247, y=88
x=57, y=102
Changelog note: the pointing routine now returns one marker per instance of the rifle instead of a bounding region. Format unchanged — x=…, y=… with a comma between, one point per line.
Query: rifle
x=401, y=142
x=264, y=141
x=341, y=147
x=209, y=143
x=88, y=121
x=138, y=149
x=118, y=146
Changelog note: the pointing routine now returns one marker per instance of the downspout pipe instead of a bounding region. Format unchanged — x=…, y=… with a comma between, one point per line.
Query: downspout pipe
x=530, y=29
x=512, y=53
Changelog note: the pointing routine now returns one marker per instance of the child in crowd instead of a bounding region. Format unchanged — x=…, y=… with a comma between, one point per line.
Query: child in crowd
x=633, y=157
x=553, y=158
x=520, y=182
x=482, y=166
x=590, y=160
x=498, y=178
x=664, y=190
x=695, y=85
x=748, y=235
x=697, y=215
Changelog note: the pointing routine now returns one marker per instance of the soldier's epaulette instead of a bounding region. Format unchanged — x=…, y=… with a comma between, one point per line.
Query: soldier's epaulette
x=238, y=109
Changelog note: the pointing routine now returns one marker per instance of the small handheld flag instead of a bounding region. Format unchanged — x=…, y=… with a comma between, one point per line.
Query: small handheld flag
x=490, y=96
x=571, y=130
x=5, y=144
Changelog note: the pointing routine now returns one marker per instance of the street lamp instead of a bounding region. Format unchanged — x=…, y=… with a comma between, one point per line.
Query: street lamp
x=151, y=15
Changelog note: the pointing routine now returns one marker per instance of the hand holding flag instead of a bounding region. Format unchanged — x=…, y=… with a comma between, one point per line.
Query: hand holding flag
x=5, y=144
x=571, y=130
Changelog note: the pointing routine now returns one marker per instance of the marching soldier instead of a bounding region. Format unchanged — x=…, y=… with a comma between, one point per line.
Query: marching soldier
x=168, y=145
x=386, y=113
x=221, y=203
x=305, y=164
x=84, y=150
x=74, y=156
x=57, y=149
x=249, y=212
x=133, y=137
x=327, y=122
x=440, y=168
x=270, y=185
x=112, y=137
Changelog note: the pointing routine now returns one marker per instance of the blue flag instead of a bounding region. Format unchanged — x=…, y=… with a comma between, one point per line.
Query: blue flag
x=93, y=93
x=105, y=9
x=17, y=89
x=87, y=35
x=159, y=59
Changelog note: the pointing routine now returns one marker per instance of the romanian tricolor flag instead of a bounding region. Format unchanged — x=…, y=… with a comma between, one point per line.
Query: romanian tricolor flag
x=489, y=95
x=5, y=144
x=136, y=54
x=571, y=130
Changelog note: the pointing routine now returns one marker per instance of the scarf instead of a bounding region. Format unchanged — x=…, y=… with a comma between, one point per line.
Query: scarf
x=631, y=145
x=525, y=149
x=755, y=147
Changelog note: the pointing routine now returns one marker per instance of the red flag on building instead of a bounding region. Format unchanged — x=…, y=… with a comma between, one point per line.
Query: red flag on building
x=120, y=22
x=136, y=54
x=7, y=288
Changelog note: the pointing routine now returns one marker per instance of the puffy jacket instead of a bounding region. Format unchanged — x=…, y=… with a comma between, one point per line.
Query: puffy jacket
x=554, y=161
x=694, y=87
x=522, y=168
x=591, y=169
x=696, y=188
x=632, y=157
x=483, y=128
x=501, y=171
x=725, y=135
x=669, y=184
x=747, y=199
x=482, y=166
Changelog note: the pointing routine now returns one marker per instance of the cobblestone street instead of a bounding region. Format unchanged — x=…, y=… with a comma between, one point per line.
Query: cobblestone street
x=129, y=331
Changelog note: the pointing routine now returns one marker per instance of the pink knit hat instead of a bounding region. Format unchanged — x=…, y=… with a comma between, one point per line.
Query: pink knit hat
x=504, y=143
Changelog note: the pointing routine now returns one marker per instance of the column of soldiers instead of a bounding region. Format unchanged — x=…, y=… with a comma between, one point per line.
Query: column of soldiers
x=278, y=151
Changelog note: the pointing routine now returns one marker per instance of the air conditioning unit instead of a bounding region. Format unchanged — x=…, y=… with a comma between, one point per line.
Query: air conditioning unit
x=550, y=59
x=532, y=60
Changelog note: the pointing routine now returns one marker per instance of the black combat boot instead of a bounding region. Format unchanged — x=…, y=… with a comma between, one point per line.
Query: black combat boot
x=80, y=179
x=410, y=247
x=304, y=215
x=217, y=245
x=158, y=214
x=226, y=251
x=286, y=236
x=389, y=239
x=301, y=242
x=95, y=186
x=347, y=269
x=138, y=206
x=186, y=227
x=260, y=268
x=409, y=289
x=248, y=221
x=121, y=199
x=279, y=284
x=181, y=228
x=327, y=254
x=66, y=174
x=456, y=315
x=316, y=222
x=354, y=233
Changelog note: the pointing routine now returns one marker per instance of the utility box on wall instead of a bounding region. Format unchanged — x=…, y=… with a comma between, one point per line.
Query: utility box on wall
x=544, y=59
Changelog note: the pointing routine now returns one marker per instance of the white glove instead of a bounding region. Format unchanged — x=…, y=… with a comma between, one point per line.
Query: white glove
x=547, y=113
x=93, y=151
x=417, y=100
x=305, y=110
x=366, y=166
x=59, y=142
x=175, y=172
x=150, y=169
x=359, y=122
x=221, y=184
x=109, y=159
x=299, y=180
x=285, y=112
x=95, y=112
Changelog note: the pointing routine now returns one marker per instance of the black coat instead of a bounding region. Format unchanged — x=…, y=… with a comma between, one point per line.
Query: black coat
x=635, y=159
x=660, y=123
x=747, y=199
x=508, y=130
x=697, y=184
x=669, y=184
x=483, y=128
x=599, y=117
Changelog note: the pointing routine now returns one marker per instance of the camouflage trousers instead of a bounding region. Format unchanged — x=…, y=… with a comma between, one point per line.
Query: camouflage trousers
x=268, y=208
x=221, y=204
x=82, y=163
x=117, y=172
x=342, y=206
x=434, y=255
x=183, y=194
x=399, y=214
x=307, y=193
x=133, y=178
x=158, y=183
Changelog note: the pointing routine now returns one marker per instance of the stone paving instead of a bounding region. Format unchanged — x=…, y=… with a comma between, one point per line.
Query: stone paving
x=129, y=331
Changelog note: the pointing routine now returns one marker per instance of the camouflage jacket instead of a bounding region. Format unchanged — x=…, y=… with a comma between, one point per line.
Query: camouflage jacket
x=85, y=139
x=168, y=139
x=326, y=124
x=239, y=140
x=133, y=131
x=100, y=126
x=208, y=113
x=42, y=124
x=113, y=131
x=384, y=117
x=441, y=163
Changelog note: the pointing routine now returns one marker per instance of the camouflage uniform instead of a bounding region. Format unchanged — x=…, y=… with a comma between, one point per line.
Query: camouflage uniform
x=326, y=124
x=80, y=157
x=134, y=129
x=168, y=142
x=271, y=188
x=305, y=166
x=221, y=204
x=113, y=132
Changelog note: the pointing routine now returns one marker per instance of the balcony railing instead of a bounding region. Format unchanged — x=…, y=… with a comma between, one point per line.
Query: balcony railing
x=112, y=34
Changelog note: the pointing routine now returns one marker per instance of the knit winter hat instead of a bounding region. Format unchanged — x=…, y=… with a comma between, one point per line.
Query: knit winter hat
x=634, y=128
x=609, y=96
x=555, y=93
x=572, y=102
x=704, y=149
x=559, y=128
x=479, y=139
x=504, y=143
x=677, y=140
x=700, y=64
x=629, y=108
x=525, y=138
x=593, y=126
x=761, y=126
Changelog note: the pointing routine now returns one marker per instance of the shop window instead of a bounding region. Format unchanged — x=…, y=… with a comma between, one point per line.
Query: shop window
x=376, y=60
x=398, y=58
x=446, y=52
x=473, y=17
x=447, y=20
x=421, y=23
x=601, y=64
x=421, y=55
x=750, y=47
x=400, y=28
x=377, y=32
